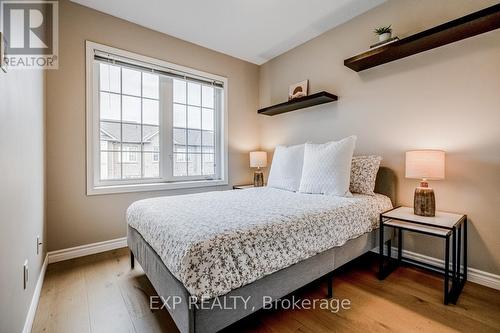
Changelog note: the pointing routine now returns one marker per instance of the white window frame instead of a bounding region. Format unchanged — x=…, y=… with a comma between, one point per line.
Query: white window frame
x=94, y=185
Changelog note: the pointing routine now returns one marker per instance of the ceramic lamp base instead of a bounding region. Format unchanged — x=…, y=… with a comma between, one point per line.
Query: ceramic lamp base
x=424, y=202
x=258, y=178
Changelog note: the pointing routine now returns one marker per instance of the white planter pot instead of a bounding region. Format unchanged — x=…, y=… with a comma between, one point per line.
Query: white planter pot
x=384, y=37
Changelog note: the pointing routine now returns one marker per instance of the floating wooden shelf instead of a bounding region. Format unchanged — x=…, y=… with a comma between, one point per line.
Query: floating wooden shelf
x=471, y=25
x=299, y=103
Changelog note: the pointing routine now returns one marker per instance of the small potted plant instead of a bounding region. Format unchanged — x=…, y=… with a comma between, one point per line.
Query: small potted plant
x=384, y=33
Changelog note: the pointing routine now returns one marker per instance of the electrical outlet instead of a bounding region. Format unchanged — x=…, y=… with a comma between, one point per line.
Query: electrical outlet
x=38, y=245
x=26, y=274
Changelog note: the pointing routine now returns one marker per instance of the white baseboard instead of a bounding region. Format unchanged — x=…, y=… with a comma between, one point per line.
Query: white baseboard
x=85, y=250
x=30, y=317
x=473, y=274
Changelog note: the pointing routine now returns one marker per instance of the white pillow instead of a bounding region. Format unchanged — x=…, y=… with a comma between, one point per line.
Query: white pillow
x=327, y=167
x=286, y=168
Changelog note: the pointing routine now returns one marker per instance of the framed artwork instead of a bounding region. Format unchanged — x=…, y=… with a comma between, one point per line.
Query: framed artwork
x=3, y=64
x=298, y=90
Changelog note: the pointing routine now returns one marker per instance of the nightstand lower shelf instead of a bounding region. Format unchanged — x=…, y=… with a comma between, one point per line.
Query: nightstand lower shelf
x=454, y=270
x=242, y=187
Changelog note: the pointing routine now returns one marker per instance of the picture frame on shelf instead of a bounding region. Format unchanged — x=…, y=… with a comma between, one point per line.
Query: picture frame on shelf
x=297, y=90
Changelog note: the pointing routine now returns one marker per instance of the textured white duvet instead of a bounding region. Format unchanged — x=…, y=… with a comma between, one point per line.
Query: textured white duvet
x=218, y=241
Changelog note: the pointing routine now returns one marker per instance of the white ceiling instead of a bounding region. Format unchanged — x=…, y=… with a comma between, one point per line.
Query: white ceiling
x=256, y=31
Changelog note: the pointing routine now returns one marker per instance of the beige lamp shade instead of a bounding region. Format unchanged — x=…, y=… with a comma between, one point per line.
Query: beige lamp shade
x=425, y=164
x=258, y=159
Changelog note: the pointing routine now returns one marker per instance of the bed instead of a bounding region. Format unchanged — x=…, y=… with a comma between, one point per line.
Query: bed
x=254, y=244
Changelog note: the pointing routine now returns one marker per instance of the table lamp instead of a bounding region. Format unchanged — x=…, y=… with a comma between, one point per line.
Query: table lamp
x=425, y=165
x=258, y=159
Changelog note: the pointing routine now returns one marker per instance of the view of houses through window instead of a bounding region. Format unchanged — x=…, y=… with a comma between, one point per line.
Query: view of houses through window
x=129, y=123
x=131, y=107
x=193, y=129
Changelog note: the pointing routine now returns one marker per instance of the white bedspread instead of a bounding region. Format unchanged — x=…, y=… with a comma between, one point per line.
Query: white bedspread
x=218, y=241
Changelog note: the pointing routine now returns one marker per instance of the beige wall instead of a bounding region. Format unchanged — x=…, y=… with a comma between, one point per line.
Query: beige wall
x=446, y=98
x=74, y=218
x=22, y=193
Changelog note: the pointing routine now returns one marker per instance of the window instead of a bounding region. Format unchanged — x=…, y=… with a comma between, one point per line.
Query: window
x=151, y=124
x=193, y=129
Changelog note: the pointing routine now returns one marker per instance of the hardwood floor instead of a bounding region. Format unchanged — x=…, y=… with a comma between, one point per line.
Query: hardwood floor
x=100, y=293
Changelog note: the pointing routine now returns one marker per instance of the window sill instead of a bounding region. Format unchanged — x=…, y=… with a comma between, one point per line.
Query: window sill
x=128, y=188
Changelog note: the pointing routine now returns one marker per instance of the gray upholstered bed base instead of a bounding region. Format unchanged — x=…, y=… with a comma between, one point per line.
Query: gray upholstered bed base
x=277, y=285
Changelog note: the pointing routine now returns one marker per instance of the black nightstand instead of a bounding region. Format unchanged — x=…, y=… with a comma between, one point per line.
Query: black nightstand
x=242, y=187
x=444, y=225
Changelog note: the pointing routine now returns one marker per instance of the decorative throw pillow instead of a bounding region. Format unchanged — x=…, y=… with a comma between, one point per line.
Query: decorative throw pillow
x=364, y=173
x=327, y=167
x=286, y=168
